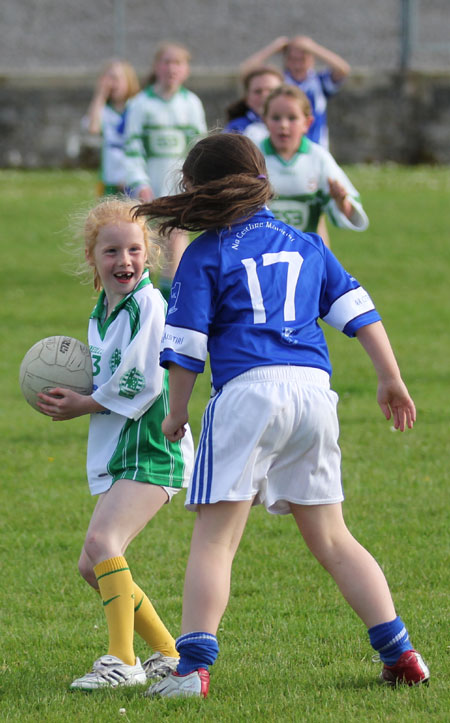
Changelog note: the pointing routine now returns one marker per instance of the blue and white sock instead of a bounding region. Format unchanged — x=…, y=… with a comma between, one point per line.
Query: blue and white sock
x=390, y=640
x=197, y=650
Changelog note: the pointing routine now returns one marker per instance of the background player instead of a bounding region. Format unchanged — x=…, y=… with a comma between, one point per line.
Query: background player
x=245, y=114
x=299, y=59
x=250, y=291
x=106, y=116
x=131, y=466
x=162, y=121
x=306, y=178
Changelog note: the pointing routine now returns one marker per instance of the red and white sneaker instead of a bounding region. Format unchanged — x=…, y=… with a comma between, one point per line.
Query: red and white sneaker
x=409, y=669
x=195, y=684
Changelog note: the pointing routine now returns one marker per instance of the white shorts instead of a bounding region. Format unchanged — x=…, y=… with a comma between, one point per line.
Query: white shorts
x=270, y=434
x=170, y=491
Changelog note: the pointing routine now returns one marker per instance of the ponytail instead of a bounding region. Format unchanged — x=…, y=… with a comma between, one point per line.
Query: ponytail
x=224, y=180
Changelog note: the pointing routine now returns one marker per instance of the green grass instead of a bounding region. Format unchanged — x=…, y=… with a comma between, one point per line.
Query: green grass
x=291, y=649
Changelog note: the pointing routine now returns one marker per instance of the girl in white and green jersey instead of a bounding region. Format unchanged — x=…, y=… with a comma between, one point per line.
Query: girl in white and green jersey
x=306, y=178
x=162, y=121
x=130, y=464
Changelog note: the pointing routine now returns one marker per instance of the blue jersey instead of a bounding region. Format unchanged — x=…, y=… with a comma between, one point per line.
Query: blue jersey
x=239, y=124
x=318, y=87
x=251, y=295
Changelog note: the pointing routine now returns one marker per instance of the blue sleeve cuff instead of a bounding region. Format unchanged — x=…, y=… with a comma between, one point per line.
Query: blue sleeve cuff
x=370, y=317
x=168, y=355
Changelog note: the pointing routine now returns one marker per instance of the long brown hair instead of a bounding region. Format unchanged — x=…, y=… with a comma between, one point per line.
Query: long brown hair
x=224, y=179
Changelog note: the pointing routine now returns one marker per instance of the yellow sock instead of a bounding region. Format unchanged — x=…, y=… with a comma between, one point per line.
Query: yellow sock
x=149, y=625
x=116, y=588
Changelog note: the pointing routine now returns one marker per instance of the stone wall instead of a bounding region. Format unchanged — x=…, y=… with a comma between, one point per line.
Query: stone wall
x=373, y=119
x=77, y=35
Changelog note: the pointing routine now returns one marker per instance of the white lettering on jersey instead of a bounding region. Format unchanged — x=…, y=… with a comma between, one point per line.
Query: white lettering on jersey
x=174, y=294
x=294, y=261
x=185, y=341
x=240, y=235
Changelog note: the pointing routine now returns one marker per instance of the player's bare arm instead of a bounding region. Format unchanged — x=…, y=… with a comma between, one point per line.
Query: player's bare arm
x=339, y=193
x=94, y=113
x=181, y=384
x=392, y=395
x=146, y=194
x=339, y=67
x=261, y=56
x=63, y=404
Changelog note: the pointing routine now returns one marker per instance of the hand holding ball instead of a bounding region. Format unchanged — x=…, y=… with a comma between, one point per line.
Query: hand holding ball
x=57, y=361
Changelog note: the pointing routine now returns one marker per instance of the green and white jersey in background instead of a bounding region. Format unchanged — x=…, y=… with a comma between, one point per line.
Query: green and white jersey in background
x=302, y=189
x=126, y=441
x=157, y=134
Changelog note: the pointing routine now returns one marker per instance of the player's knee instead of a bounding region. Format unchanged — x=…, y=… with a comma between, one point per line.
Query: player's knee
x=100, y=545
x=86, y=571
x=94, y=544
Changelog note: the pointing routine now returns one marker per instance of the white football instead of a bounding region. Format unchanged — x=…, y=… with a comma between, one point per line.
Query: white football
x=58, y=361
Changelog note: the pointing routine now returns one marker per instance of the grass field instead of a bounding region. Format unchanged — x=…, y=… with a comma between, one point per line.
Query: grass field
x=291, y=649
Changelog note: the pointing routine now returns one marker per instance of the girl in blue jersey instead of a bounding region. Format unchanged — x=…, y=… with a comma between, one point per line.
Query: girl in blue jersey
x=250, y=290
x=132, y=468
x=246, y=114
x=106, y=117
x=299, y=59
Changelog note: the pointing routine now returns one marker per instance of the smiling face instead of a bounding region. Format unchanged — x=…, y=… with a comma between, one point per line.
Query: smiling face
x=259, y=88
x=119, y=256
x=287, y=124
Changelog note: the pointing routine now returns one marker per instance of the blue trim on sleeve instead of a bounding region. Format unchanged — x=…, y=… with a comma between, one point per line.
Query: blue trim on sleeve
x=370, y=317
x=168, y=355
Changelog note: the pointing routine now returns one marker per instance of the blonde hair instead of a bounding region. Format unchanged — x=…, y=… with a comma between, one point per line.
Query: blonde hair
x=159, y=52
x=131, y=76
x=289, y=91
x=133, y=85
x=110, y=210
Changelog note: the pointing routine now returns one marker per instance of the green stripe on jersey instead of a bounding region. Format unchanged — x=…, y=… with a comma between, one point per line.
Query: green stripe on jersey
x=143, y=453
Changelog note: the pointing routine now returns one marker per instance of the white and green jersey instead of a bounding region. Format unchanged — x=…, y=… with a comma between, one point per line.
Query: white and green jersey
x=302, y=190
x=126, y=441
x=157, y=134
